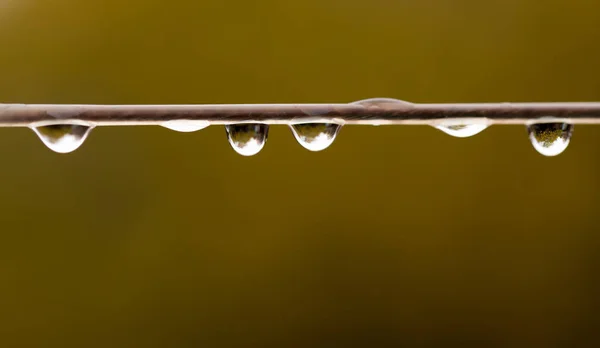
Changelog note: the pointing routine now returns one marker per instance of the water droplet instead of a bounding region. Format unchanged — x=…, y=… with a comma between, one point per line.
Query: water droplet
x=550, y=139
x=381, y=102
x=315, y=136
x=374, y=104
x=462, y=130
x=185, y=125
x=63, y=138
x=247, y=139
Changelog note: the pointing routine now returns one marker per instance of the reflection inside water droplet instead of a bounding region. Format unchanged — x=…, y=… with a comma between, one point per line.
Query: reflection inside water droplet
x=315, y=136
x=185, y=125
x=247, y=139
x=462, y=130
x=550, y=139
x=63, y=138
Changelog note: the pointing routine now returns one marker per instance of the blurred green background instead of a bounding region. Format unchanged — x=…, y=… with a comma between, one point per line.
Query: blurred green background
x=393, y=236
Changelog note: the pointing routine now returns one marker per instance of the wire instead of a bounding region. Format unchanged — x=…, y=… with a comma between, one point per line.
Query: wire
x=377, y=111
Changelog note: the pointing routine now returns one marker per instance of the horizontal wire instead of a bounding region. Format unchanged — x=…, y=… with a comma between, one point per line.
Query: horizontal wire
x=377, y=111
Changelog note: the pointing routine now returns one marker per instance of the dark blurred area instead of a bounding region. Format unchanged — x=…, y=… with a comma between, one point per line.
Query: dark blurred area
x=394, y=236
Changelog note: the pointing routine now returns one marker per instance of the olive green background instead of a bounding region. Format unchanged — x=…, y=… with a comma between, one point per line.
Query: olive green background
x=394, y=236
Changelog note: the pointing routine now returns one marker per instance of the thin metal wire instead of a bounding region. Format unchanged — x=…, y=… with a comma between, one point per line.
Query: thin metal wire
x=378, y=111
